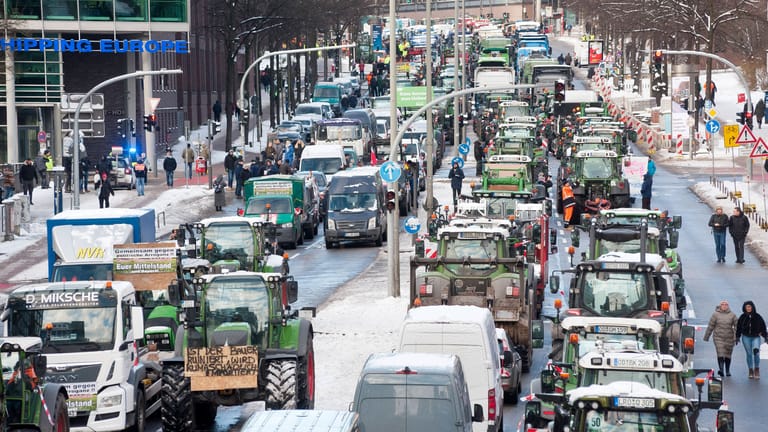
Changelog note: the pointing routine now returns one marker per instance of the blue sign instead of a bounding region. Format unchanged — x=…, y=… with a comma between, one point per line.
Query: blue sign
x=390, y=172
x=101, y=45
x=412, y=225
x=468, y=141
x=378, y=45
x=458, y=160
x=707, y=104
x=464, y=148
x=713, y=126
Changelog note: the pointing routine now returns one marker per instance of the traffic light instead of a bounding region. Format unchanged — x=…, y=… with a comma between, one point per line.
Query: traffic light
x=391, y=197
x=150, y=120
x=560, y=91
x=740, y=119
x=658, y=59
x=214, y=128
x=120, y=131
x=748, y=120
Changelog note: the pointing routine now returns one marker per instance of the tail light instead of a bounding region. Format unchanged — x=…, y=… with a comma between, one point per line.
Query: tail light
x=127, y=170
x=513, y=291
x=504, y=373
x=491, y=405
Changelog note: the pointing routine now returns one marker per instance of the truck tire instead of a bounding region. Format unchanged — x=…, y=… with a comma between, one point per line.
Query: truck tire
x=329, y=245
x=281, y=385
x=307, y=378
x=176, y=400
x=60, y=415
x=141, y=413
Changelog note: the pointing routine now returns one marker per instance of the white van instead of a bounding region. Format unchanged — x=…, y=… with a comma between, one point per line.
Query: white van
x=469, y=333
x=327, y=158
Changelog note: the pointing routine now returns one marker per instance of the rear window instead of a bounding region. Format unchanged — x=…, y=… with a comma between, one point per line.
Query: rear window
x=304, y=109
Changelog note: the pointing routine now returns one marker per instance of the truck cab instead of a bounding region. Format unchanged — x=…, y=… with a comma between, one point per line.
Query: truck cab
x=346, y=132
x=330, y=92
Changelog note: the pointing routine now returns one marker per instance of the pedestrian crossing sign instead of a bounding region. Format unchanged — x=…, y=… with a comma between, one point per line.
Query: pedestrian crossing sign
x=759, y=150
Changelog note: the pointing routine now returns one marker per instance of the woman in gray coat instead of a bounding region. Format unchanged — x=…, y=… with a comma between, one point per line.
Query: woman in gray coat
x=219, y=200
x=722, y=325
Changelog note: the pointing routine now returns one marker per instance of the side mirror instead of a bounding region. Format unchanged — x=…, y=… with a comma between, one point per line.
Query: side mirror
x=40, y=365
x=508, y=357
x=477, y=414
x=547, y=381
x=674, y=238
x=575, y=238
x=174, y=294
x=677, y=222
x=291, y=288
x=715, y=390
x=554, y=284
x=724, y=421
x=537, y=333
x=137, y=322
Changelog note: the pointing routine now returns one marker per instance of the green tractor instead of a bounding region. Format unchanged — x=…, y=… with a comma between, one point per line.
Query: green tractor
x=597, y=180
x=239, y=342
x=29, y=402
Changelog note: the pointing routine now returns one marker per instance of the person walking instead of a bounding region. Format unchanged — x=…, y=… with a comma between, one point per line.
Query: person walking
x=457, y=177
x=105, y=190
x=759, y=113
x=719, y=223
x=219, y=197
x=169, y=166
x=85, y=167
x=646, y=191
x=749, y=329
x=140, y=172
x=738, y=226
x=28, y=176
x=66, y=160
x=189, y=159
x=216, y=111
x=239, y=177
x=479, y=152
x=42, y=172
x=229, y=166
x=722, y=328
x=569, y=202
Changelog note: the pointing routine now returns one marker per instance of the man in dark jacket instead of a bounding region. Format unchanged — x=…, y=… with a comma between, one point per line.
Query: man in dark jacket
x=169, y=166
x=749, y=329
x=28, y=176
x=646, y=191
x=457, y=176
x=42, y=170
x=719, y=222
x=229, y=165
x=738, y=226
x=241, y=175
x=479, y=154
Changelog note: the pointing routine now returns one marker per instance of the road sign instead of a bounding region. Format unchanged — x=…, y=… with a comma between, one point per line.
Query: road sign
x=713, y=126
x=730, y=133
x=707, y=104
x=42, y=137
x=464, y=148
x=458, y=160
x=759, y=150
x=390, y=172
x=412, y=225
x=745, y=136
x=712, y=113
x=741, y=98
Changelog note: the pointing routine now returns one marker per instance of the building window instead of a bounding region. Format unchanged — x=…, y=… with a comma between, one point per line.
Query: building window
x=65, y=10
x=131, y=10
x=24, y=9
x=96, y=10
x=168, y=10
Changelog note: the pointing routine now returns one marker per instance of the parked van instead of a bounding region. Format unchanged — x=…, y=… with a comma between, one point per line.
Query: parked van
x=356, y=207
x=469, y=333
x=328, y=158
x=303, y=421
x=410, y=392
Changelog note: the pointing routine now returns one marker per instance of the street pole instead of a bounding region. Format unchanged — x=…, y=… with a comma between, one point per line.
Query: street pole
x=428, y=205
x=456, y=84
x=393, y=228
x=243, y=102
x=76, y=130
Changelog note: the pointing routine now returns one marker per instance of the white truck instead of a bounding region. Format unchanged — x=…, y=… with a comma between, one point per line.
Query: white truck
x=91, y=332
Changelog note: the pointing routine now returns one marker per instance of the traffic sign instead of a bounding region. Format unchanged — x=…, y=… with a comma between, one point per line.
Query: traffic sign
x=464, y=148
x=707, y=104
x=712, y=113
x=730, y=133
x=759, y=150
x=412, y=225
x=468, y=141
x=745, y=136
x=42, y=137
x=713, y=126
x=390, y=172
x=458, y=160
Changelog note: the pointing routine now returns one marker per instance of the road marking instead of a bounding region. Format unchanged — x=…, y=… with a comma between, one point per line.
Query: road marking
x=305, y=248
x=689, y=307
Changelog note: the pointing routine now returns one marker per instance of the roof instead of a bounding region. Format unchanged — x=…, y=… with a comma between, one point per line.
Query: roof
x=101, y=213
x=231, y=219
x=364, y=171
x=301, y=420
x=419, y=362
x=630, y=211
x=240, y=273
x=645, y=360
x=449, y=314
x=605, y=322
x=339, y=121
x=122, y=287
x=652, y=259
x=618, y=389
x=596, y=153
x=475, y=228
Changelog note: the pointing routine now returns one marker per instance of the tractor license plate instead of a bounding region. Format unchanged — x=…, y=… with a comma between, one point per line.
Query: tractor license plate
x=507, y=315
x=352, y=235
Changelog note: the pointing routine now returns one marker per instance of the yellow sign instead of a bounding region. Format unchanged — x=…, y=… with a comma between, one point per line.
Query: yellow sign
x=730, y=133
x=712, y=113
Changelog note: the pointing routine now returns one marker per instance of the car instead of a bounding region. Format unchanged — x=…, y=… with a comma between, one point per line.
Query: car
x=322, y=185
x=511, y=371
x=323, y=109
x=121, y=175
x=308, y=122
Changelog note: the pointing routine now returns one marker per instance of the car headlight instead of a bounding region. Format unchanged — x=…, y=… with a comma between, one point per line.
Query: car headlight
x=110, y=401
x=372, y=223
x=287, y=225
x=331, y=224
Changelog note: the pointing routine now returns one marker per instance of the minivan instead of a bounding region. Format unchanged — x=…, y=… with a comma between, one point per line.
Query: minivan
x=356, y=207
x=469, y=333
x=411, y=392
x=328, y=158
x=302, y=420
x=329, y=92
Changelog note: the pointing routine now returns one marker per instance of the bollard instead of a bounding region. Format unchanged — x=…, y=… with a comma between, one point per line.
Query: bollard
x=9, y=203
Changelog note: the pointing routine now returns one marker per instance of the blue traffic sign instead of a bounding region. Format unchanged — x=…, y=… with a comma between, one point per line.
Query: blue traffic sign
x=468, y=141
x=713, y=126
x=458, y=160
x=708, y=104
x=464, y=148
x=390, y=172
x=412, y=225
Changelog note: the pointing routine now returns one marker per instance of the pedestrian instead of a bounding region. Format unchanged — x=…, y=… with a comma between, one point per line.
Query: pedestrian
x=568, y=59
x=271, y=150
x=256, y=169
x=646, y=190
x=219, y=197
x=28, y=176
x=85, y=167
x=104, y=166
x=561, y=59
x=568, y=202
x=169, y=166
x=239, y=168
x=651, y=167
x=216, y=111
x=712, y=90
x=457, y=177
x=738, y=226
x=288, y=154
x=719, y=222
x=749, y=329
x=298, y=150
x=283, y=167
x=479, y=153
x=229, y=166
x=140, y=172
x=189, y=158
x=722, y=327
x=272, y=168
x=105, y=190
x=66, y=160
x=42, y=173
x=48, y=168
x=759, y=113
x=546, y=182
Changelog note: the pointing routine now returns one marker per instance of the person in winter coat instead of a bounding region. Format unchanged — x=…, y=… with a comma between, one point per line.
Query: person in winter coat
x=216, y=111
x=479, y=154
x=749, y=329
x=28, y=176
x=42, y=171
x=646, y=191
x=239, y=181
x=457, y=177
x=140, y=171
x=189, y=159
x=759, y=113
x=719, y=222
x=219, y=197
x=738, y=226
x=229, y=166
x=256, y=169
x=105, y=190
x=722, y=327
x=271, y=151
x=169, y=166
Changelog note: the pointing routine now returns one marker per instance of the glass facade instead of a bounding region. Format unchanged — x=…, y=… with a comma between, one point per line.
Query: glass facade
x=98, y=10
x=38, y=77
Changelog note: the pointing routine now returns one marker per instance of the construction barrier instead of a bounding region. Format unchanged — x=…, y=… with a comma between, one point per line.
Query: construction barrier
x=679, y=144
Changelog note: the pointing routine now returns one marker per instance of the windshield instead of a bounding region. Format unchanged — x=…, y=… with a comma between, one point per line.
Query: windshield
x=634, y=421
x=82, y=272
x=629, y=246
x=352, y=202
x=669, y=382
x=346, y=132
x=501, y=207
x=237, y=300
x=474, y=248
x=597, y=168
x=233, y=241
x=615, y=294
x=380, y=102
x=277, y=205
x=304, y=109
x=327, y=92
x=76, y=329
x=325, y=165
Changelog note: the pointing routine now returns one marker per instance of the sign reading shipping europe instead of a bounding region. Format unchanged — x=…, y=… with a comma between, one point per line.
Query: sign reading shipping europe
x=148, y=266
x=223, y=367
x=101, y=46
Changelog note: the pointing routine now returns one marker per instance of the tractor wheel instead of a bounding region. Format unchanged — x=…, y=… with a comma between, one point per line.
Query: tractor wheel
x=141, y=413
x=307, y=378
x=309, y=233
x=281, y=385
x=60, y=415
x=205, y=414
x=176, y=400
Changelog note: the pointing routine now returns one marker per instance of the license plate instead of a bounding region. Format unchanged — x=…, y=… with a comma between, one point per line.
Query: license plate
x=633, y=363
x=635, y=402
x=352, y=235
x=611, y=329
x=507, y=315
